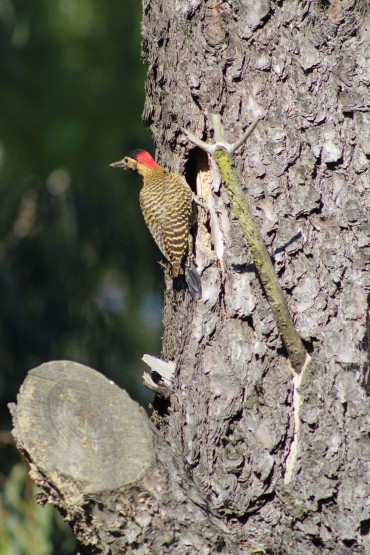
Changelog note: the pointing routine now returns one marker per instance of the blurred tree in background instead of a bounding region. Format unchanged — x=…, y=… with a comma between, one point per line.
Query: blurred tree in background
x=78, y=272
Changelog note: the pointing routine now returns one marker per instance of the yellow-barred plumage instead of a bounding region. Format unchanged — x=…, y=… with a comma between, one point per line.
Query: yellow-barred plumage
x=166, y=204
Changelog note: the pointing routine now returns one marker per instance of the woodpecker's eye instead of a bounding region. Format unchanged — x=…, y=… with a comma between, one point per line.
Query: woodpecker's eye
x=125, y=159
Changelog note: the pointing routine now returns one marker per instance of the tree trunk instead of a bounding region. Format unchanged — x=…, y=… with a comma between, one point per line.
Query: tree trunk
x=248, y=454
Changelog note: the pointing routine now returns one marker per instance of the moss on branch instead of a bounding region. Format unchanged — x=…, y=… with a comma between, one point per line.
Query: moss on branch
x=274, y=293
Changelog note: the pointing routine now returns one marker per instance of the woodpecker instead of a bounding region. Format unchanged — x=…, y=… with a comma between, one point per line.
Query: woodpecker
x=166, y=204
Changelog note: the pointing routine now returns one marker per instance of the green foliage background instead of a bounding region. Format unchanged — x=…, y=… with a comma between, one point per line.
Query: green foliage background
x=78, y=272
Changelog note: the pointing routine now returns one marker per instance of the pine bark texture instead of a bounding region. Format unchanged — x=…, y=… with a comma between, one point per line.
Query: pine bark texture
x=247, y=456
x=284, y=466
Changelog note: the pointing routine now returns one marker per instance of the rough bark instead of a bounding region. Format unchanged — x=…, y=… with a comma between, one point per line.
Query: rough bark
x=294, y=482
x=275, y=461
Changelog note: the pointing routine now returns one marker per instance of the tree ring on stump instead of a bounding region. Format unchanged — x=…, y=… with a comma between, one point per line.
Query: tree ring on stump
x=74, y=423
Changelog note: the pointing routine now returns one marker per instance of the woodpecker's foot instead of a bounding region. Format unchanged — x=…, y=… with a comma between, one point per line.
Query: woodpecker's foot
x=167, y=274
x=166, y=266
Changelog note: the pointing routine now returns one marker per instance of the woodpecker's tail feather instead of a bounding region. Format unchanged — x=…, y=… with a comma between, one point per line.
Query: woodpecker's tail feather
x=193, y=280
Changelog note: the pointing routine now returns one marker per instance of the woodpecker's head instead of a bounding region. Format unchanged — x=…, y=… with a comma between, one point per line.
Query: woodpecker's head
x=135, y=161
